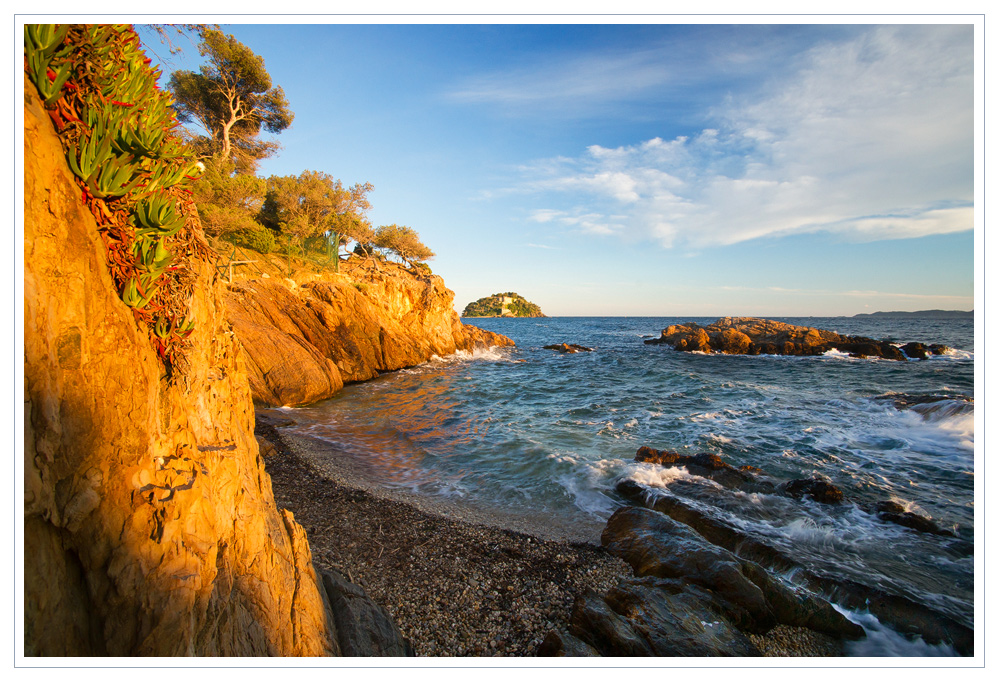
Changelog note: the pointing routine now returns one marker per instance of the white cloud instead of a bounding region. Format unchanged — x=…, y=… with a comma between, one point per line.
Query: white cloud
x=871, y=138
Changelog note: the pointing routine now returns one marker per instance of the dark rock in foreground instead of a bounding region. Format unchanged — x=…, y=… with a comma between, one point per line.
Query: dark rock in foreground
x=364, y=629
x=667, y=536
x=756, y=336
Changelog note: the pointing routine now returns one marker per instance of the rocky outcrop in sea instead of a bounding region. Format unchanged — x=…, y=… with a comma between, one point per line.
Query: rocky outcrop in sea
x=756, y=336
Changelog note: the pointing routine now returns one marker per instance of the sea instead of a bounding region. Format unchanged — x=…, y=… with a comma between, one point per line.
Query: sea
x=530, y=431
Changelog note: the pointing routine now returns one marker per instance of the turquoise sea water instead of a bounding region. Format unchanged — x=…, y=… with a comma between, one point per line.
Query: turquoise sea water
x=531, y=430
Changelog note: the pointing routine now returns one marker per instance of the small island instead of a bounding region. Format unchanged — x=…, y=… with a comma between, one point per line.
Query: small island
x=506, y=305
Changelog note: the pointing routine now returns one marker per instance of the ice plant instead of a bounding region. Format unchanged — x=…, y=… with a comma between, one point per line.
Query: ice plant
x=117, y=128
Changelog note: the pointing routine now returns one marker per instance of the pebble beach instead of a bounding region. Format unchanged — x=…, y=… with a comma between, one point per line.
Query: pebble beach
x=457, y=583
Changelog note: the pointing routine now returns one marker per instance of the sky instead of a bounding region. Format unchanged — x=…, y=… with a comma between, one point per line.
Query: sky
x=649, y=169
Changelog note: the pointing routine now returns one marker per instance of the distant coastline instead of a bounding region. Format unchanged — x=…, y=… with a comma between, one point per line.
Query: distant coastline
x=934, y=313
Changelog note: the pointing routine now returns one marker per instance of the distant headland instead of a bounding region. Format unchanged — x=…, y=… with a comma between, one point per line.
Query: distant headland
x=505, y=305
x=935, y=313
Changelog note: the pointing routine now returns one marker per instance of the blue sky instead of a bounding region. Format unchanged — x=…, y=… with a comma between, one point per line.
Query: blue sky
x=650, y=169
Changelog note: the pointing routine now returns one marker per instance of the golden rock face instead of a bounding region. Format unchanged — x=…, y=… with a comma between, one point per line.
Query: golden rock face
x=304, y=342
x=150, y=525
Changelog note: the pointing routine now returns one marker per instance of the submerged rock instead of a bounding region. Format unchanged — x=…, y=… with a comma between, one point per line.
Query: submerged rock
x=754, y=336
x=818, y=489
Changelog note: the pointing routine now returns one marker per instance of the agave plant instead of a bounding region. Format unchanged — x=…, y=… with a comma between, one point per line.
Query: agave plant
x=157, y=215
x=42, y=44
x=121, y=148
x=115, y=178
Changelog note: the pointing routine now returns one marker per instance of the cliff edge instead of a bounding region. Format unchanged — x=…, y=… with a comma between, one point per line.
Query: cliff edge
x=307, y=335
x=149, y=522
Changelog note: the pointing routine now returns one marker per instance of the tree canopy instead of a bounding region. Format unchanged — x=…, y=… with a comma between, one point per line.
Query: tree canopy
x=313, y=204
x=402, y=241
x=232, y=98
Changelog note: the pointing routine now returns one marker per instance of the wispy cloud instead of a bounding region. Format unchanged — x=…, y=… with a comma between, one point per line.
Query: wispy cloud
x=871, y=138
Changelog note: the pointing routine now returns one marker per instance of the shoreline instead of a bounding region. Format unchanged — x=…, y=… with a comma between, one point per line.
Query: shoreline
x=458, y=581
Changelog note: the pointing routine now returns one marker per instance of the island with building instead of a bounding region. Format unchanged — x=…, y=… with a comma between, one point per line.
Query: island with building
x=506, y=305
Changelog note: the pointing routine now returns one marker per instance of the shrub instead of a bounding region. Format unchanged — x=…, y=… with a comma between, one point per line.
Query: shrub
x=258, y=239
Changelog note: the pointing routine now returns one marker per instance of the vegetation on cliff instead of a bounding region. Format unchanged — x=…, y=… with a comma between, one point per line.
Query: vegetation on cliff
x=505, y=305
x=133, y=172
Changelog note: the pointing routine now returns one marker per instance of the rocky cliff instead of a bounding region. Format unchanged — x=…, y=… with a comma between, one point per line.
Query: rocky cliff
x=308, y=335
x=149, y=523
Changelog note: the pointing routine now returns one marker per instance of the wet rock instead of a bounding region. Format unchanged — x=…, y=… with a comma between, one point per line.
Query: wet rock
x=567, y=348
x=939, y=349
x=273, y=418
x=677, y=624
x=819, y=490
x=798, y=608
x=891, y=511
x=915, y=350
x=712, y=529
x=902, y=613
x=363, y=628
x=706, y=465
x=560, y=643
x=596, y=623
x=655, y=545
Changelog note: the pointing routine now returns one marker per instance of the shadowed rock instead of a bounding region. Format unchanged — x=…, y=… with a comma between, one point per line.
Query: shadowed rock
x=891, y=511
x=819, y=490
x=364, y=629
x=901, y=612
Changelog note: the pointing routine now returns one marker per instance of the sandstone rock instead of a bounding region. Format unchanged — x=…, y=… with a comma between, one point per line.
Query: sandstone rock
x=731, y=341
x=304, y=344
x=754, y=336
x=150, y=525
